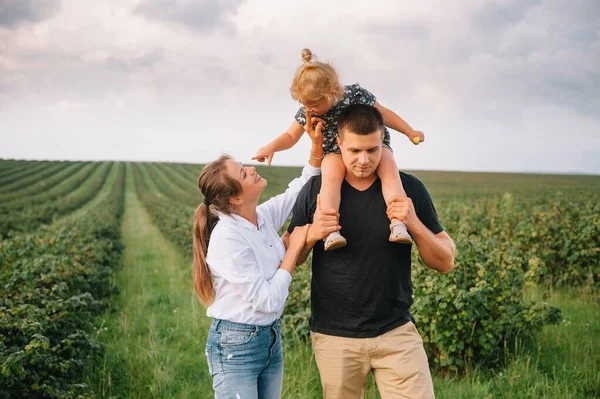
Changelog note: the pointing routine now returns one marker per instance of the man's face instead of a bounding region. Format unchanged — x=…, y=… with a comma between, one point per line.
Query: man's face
x=361, y=153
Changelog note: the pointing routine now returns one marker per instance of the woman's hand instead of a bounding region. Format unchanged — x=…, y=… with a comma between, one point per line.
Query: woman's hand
x=298, y=238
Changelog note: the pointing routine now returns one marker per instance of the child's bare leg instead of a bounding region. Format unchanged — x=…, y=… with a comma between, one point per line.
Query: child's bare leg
x=392, y=187
x=333, y=172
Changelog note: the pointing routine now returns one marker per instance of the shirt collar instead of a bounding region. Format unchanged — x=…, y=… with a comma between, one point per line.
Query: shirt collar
x=240, y=221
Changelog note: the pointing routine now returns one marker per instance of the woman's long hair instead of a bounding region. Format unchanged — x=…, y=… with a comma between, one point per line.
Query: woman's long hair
x=217, y=187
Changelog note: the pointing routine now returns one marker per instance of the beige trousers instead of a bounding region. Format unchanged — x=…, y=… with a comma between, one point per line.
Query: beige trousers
x=396, y=358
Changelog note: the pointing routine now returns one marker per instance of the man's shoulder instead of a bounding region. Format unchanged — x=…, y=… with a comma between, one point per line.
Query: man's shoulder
x=412, y=184
x=411, y=179
x=311, y=188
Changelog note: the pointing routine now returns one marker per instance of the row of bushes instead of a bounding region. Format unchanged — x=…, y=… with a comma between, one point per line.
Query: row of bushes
x=52, y=284
x=42, y=183
x=48, y=172
x=28, y=214
x=24, y=172
x=173, y=219
x=9, y=166
x=560, y=233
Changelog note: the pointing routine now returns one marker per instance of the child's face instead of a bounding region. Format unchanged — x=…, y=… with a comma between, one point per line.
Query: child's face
x=319, y=107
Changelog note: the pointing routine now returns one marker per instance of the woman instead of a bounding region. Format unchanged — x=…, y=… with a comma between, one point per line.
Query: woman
x=242, y=272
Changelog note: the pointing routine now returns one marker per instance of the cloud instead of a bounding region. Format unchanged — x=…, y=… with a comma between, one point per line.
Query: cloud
x=495, y=57
x=69, y=106
x=477, y=76
x=205, y=16
x=15, y=12
x=135, y=62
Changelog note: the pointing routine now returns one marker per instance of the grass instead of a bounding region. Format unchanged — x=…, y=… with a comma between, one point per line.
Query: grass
x=156, y=332
x=563, y=363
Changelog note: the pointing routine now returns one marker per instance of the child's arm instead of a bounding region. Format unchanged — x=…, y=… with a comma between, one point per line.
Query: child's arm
x=393, y=121
x=283, y=142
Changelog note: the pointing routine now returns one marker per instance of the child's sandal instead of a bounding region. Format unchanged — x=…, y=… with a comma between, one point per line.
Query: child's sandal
x=399, y=233
x=334, y=241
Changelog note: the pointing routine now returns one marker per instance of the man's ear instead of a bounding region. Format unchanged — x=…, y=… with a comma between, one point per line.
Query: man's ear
x=338, y=140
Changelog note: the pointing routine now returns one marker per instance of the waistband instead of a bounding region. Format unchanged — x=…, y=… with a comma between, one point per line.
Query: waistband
x=219, y=324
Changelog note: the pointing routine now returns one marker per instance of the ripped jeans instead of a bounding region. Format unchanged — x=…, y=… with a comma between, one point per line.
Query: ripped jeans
x=245, y=361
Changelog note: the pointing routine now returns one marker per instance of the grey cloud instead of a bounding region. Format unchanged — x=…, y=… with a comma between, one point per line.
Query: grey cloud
x=533, y=52
x=135, y=63
x=491, y=16
x=201, y=15
x=14, y=12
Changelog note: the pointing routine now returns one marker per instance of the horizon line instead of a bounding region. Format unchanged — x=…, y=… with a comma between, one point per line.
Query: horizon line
x=523, y=172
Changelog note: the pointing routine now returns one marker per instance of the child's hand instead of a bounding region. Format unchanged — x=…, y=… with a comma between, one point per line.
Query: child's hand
x=416, y=137
x=314, y=128
x=264, y=153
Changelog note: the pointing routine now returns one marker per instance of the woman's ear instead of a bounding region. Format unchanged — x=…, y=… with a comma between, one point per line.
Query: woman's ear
x=236, y=201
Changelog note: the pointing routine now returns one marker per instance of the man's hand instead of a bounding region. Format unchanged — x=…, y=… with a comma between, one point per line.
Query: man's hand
x=264, y=154
x=402, y=209
x=325, y=221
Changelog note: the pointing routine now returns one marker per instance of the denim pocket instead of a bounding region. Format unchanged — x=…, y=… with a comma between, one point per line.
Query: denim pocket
x=235, y=338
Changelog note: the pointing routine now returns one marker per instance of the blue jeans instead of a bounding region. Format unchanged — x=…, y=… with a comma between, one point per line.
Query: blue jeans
x=245, y=361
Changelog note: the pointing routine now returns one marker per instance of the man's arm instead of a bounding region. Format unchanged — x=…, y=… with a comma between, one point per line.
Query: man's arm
x=436, y=250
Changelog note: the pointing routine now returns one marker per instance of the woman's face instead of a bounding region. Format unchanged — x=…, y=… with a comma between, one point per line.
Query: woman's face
x=251, y=182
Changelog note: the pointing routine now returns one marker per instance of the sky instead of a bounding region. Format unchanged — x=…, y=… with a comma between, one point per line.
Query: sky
x=495, y=85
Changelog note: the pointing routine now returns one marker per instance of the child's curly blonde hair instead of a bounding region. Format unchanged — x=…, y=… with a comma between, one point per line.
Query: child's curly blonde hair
x=315, y=80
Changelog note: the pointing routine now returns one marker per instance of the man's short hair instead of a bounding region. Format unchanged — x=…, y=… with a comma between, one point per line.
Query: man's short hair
x=360, y=119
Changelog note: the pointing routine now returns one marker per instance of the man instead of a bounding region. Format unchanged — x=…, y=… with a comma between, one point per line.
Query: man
x=361, y=294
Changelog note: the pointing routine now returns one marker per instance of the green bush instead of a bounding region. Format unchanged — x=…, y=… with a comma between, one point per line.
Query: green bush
x=474, y=313
x=52, y=284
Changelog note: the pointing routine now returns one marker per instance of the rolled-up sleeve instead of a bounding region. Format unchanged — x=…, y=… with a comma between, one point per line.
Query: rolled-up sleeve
x=233, y=260
x=279, y=208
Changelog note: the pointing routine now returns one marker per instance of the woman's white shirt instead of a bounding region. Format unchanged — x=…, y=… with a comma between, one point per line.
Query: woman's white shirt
x=244, y=260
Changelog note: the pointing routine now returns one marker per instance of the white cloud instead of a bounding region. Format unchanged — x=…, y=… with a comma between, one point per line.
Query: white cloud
x=476, y=76
x=69, y=106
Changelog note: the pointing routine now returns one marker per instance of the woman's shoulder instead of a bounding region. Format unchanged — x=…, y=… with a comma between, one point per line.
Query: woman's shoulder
x=224, y=235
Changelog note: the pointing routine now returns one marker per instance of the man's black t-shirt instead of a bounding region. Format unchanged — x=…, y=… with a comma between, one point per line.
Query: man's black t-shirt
x=364, y=289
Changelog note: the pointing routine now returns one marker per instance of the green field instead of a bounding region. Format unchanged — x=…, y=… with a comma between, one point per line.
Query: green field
x=96, y=294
